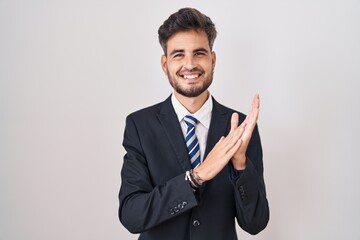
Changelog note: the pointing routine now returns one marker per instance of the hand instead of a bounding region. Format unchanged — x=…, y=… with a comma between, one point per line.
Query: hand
x=239, y=159
x=220, y=155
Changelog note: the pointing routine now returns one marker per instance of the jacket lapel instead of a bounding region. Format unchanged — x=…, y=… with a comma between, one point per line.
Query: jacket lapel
x=219, y=125
x=171, y=125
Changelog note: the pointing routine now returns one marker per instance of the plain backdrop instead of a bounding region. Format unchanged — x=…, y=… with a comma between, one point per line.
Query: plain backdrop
x=71, y=70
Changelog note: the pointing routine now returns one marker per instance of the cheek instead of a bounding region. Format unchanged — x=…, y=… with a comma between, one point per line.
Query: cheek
x=173, y=69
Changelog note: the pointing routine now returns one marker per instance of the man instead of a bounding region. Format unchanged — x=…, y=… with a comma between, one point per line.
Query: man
x=192, y=165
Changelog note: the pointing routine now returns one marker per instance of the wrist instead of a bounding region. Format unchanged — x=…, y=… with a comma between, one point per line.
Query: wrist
x=201, y=173
x=194, y=180
x=198, y=179
x=239, y=163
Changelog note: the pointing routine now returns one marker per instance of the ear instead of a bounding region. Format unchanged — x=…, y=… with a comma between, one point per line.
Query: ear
x=163, y=63
x=213, y=57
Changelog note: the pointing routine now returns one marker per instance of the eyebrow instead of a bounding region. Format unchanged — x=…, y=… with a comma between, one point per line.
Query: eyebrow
x=200, y=50
x=177, y=51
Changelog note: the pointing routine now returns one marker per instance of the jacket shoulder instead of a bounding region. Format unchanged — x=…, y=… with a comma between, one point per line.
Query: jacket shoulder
x=223, y=109
x=152, y=111
x=145, y=112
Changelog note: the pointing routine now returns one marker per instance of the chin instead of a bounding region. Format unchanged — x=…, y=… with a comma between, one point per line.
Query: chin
x=190, y=92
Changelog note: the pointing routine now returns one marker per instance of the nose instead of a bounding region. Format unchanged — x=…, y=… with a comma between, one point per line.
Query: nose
x=189, y=62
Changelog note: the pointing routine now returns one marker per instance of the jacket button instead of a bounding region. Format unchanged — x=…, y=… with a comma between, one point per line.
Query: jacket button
x=196, y=223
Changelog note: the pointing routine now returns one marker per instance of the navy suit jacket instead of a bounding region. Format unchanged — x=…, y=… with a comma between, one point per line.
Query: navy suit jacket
x=156, y=201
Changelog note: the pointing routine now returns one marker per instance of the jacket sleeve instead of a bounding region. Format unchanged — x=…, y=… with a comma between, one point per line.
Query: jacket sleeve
x=144, y=205
x=252, y=210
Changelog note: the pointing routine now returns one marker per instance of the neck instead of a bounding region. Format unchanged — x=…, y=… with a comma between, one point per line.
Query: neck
x=192, y=104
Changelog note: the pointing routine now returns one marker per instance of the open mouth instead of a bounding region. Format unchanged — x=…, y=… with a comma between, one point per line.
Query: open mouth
x=191, y=76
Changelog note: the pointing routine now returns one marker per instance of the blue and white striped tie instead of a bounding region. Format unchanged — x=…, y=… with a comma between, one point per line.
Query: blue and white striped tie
x=192, y=142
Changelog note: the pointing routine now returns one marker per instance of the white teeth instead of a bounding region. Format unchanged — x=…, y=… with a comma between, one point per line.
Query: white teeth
x=190, y=76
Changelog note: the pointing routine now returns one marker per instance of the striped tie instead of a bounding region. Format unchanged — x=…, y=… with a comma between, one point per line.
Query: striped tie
x=192, y=142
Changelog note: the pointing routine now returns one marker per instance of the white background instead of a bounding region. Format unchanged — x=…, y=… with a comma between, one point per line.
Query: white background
x=71, y=70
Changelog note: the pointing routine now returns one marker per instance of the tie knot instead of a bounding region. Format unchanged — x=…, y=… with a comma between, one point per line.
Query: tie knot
x=190, y=121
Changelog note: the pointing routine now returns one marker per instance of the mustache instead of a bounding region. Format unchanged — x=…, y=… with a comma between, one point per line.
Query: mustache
x=186, y=70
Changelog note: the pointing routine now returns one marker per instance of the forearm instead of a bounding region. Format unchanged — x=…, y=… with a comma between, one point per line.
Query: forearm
x=143, y=208
x=252, y=210
x=148, y=195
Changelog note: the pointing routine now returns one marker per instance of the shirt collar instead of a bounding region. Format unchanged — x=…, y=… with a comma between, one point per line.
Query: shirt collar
x=203, y=115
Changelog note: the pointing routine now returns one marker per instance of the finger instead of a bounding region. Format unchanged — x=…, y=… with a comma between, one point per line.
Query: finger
x=246, y=136
x=253, y=116
x=233, y=137
x=254, y=105
x=222, y=145
x=242, y=128
x=256, y=101
x=234, y=149
x=234, y=121
x=254, y=110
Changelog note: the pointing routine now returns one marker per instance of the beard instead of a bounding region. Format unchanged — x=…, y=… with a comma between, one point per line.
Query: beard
x=192, y=91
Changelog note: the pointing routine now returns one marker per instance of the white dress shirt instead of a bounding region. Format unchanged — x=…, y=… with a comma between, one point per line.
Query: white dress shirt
x=203, y=115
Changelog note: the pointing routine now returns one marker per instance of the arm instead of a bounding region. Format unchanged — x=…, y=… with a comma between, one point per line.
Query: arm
x=144, y=205
x=242, y=145
x=252, y=210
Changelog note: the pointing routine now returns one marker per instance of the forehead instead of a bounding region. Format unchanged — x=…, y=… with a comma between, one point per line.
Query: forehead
x=188, y=41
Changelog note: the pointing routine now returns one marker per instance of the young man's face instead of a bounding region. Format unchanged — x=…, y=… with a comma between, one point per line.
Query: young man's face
x=189, y=63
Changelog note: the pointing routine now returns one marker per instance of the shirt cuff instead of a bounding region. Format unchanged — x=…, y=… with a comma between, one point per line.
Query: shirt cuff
x=235, y=174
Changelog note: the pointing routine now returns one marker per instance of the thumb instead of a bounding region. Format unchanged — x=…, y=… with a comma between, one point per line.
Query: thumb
x=234, y=121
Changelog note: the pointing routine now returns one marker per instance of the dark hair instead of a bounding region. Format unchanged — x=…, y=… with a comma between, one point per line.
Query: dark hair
x=184, y=20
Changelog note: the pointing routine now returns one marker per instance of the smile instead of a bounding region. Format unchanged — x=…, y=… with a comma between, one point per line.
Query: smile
x=192, y=76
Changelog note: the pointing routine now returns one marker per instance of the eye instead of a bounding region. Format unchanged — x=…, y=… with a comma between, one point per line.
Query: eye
x=199, y=53
x=178, y=55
